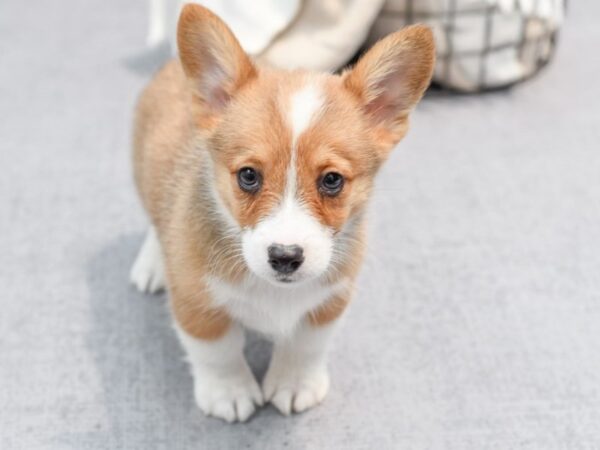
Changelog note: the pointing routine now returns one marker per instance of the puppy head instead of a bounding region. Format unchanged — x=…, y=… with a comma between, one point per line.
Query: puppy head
x=295, y=153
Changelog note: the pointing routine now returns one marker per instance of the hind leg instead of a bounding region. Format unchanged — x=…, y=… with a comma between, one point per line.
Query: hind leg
x=148, y=271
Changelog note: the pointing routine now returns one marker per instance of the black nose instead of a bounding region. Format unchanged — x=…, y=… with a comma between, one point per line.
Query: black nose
x=285, y=258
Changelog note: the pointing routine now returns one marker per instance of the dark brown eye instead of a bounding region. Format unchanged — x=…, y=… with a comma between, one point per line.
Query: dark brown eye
x=249, y=179
x=331, y=184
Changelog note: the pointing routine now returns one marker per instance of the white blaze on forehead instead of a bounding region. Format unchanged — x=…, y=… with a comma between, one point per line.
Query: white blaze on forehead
x=305, y=106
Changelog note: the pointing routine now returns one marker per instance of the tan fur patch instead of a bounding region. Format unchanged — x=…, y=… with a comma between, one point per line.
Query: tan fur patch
x=259, y=140
x=189, y=258
x=329, y=311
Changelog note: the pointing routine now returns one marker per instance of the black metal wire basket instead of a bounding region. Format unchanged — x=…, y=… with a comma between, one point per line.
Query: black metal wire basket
x=482, y=44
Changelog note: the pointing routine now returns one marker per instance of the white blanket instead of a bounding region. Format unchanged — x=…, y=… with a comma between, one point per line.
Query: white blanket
x=312, y=34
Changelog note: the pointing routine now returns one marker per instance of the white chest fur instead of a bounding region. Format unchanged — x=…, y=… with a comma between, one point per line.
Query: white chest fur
x=269, y=309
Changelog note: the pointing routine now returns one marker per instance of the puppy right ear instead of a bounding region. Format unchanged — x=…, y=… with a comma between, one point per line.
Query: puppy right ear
x=390, y=79
x=211, y=56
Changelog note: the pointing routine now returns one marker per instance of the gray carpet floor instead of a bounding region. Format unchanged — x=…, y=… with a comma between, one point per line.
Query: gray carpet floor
x=477, y=321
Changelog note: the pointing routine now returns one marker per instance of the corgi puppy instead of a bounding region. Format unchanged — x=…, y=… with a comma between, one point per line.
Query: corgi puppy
x=256, y=182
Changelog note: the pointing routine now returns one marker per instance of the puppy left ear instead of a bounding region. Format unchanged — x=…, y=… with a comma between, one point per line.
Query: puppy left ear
x=212, y=57
x=391, y=78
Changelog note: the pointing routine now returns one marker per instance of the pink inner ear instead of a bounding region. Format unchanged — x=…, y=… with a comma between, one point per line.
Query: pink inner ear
x=217, y=98
x=220, y=99
x=384, y=107
x=214, y=80
x=391, y=95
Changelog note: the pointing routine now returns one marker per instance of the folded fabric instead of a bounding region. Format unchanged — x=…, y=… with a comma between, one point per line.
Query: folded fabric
x=255, y=23
x=324, y=36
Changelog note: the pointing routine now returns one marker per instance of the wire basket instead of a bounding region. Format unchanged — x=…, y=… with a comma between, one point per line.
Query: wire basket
x=481, y=44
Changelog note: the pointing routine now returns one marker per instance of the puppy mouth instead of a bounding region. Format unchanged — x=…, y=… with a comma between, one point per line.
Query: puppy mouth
x=285, y=279
x=288, y=280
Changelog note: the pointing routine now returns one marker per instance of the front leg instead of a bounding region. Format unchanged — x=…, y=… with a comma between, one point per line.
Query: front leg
x=224, y=385
x=298, y=378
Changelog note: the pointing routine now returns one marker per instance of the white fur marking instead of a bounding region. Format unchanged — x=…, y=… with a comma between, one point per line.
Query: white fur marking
x=298, y=378
x=148, y=271
x=275, y=311
x=306, y=104
x=305, y=107
x=224, y=386
x=290, y=224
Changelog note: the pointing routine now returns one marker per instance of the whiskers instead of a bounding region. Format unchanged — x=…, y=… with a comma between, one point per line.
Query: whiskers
x=347, y=248
x=225, y=256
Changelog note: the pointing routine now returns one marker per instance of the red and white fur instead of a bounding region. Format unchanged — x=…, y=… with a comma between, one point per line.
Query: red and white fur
x=233, y=160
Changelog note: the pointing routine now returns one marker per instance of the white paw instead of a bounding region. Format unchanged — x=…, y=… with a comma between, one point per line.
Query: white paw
x=231, y=398
x=297, y=390
x=148, y=272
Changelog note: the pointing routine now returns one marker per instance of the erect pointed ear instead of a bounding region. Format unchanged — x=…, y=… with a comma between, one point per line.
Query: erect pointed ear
x=390, y=79
x=211, y=56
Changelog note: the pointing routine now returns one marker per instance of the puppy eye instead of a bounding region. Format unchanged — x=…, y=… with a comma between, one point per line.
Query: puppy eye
x=331, y=183
x=249, y=179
